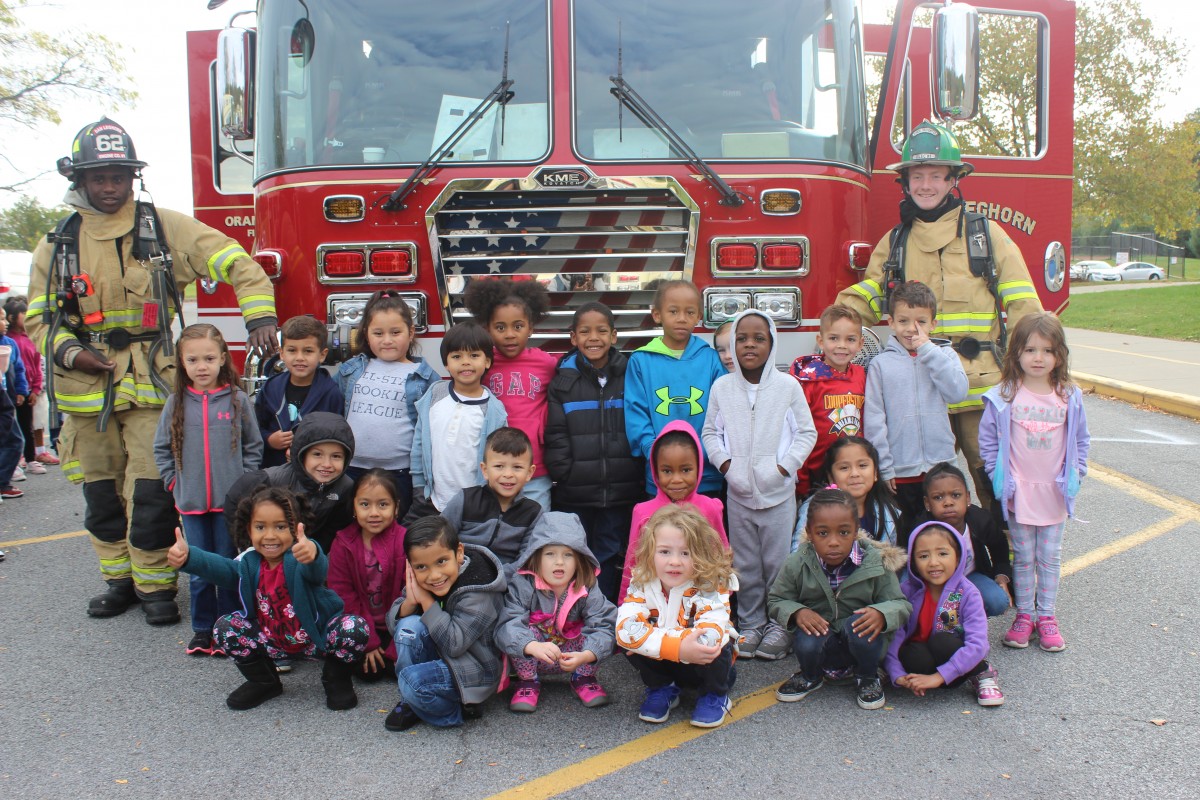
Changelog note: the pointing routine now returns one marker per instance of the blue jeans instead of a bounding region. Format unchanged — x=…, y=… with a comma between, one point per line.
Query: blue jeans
x=995, y=600
x=838, y=650
x=208, y=532
x=538, y=490
x=425, y=682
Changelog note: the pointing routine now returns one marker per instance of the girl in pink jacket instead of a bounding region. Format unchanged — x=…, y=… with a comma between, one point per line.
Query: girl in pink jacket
x=677, y=467
x=366, y=567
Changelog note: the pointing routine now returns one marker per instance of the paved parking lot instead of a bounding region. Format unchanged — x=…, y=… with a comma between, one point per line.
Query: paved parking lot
x=113, y=708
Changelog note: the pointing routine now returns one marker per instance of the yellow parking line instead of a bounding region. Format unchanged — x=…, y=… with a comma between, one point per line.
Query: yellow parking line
x=630, y=753
x=1145, y=492
x=36, y=539
x=1129, y=542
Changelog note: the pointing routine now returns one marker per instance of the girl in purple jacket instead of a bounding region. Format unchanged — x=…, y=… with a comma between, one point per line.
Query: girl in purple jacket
x=944, y=642
x=366, y=567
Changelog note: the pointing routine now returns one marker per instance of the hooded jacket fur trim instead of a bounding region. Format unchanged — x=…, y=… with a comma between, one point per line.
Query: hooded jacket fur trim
x=802, y=583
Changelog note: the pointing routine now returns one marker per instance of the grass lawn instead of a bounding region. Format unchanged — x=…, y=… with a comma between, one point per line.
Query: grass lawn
x=1166, y=313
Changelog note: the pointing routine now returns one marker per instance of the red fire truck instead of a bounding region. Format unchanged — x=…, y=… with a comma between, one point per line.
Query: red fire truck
x=599, y=145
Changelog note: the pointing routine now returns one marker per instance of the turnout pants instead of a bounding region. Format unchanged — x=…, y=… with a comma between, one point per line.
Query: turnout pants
x=130, y=516
x=965, y=425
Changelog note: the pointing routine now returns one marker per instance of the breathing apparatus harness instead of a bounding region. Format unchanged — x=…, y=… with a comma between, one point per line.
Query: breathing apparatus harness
x=67, y=285
x=982, y=264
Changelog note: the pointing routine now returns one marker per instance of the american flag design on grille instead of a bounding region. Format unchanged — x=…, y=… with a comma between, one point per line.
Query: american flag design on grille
x=562, y=232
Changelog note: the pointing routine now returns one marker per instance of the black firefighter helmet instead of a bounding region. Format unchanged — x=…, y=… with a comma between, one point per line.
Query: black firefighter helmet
x=99, y=144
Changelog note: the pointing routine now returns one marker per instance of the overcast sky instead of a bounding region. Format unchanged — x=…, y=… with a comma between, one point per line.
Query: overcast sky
x=153, y=31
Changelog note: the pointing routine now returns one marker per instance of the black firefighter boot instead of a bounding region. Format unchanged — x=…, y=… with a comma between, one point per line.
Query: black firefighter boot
x=117, y=599
x=337, y=678
x=160, y=608
x=262, y=683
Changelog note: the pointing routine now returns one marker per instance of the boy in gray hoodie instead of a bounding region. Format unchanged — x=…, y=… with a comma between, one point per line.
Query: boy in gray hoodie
x=909, y=386
x=758, y=433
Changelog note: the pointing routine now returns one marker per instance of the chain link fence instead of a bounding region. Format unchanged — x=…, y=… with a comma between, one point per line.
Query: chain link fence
x=1121, y=248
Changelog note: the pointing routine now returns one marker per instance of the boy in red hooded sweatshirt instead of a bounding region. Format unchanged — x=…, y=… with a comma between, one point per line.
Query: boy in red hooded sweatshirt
x=834, y=385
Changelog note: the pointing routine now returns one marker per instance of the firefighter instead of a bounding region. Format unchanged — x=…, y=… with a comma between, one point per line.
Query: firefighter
x=973, y=267
x=105, y=288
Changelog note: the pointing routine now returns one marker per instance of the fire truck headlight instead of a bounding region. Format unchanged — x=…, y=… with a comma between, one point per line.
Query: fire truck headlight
x=348, y=309
x=722, y=305
x=348, y=312
x=782, y=306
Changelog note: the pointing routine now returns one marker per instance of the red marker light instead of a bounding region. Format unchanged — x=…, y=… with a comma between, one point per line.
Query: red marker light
x=737, y=256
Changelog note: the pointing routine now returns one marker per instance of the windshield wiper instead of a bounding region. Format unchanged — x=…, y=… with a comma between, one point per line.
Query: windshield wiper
x=626, y=96
x=501, y=94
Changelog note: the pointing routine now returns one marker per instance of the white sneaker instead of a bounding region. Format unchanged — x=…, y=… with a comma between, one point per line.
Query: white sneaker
x=34, y=468
x=18, y=474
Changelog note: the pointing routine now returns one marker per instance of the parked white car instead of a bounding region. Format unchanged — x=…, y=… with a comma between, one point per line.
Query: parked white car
x=1080, y=270
x=14, y=273
x=1133, y=271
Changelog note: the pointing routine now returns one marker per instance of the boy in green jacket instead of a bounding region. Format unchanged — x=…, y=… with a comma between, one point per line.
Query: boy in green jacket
x=839, y=596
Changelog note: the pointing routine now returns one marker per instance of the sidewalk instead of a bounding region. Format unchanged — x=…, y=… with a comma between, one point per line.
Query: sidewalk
x=1158, y=372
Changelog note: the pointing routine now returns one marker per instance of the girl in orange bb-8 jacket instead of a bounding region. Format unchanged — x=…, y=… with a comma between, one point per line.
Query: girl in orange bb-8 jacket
x=674, y=621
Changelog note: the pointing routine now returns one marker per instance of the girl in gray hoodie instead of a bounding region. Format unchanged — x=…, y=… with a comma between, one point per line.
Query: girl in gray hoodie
x=207, y=438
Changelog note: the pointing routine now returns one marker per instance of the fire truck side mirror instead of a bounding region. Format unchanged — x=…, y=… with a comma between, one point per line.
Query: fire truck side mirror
x=956, y=62
x=235, y=83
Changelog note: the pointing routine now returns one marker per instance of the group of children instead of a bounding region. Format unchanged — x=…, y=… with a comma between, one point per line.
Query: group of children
x=531, y=514
x=24, y=409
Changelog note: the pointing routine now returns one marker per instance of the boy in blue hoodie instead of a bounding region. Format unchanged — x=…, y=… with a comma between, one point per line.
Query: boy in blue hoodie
x=287, y=397
x=671, y=377
x=758, y=433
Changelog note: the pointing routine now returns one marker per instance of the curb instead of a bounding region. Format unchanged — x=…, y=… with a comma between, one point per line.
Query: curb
x=1184, y=405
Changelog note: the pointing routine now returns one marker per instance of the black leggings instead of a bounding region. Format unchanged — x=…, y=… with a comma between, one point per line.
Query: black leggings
x=716, y=677
x=25, y=421
x=923, y=658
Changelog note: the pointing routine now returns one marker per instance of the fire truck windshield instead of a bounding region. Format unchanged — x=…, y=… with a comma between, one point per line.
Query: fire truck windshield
x=773, y=80
x=387, y=82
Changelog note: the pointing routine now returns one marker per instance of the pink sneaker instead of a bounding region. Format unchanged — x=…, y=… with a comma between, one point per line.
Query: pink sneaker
x=47, y=458
x=1048, y=636
x=525, y=697
x=1018, y=635
x=590, y=692
x=987, y=691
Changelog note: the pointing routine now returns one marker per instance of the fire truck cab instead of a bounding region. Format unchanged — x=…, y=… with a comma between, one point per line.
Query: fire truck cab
x=601, y=146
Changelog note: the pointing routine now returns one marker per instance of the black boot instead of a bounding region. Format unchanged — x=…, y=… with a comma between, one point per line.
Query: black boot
x=338, y=679
x=160, y=608
x=262, y=683
x=117, y=599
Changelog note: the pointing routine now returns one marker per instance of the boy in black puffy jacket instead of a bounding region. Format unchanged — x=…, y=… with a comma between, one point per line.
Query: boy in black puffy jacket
x=587, y=453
